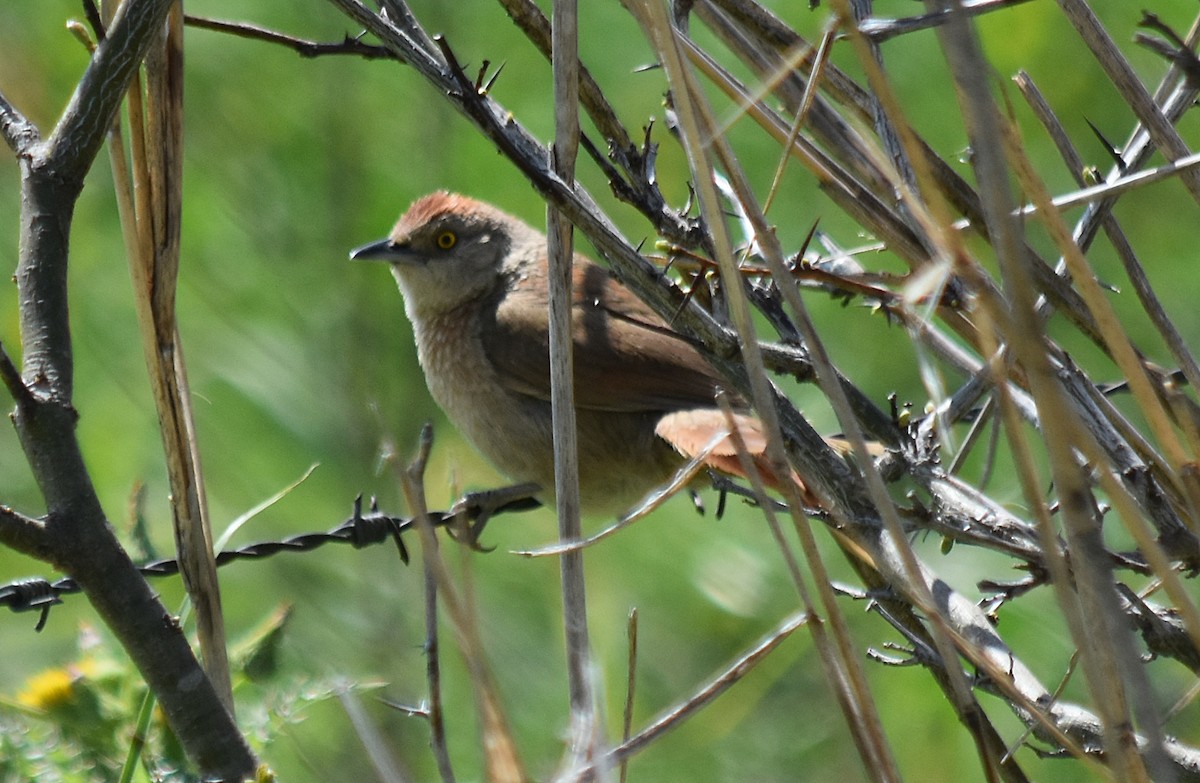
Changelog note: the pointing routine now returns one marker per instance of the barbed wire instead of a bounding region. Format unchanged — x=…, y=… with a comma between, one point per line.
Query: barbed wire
x=360, y=530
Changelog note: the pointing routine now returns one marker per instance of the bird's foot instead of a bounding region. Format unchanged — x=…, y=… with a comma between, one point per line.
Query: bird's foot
x=473, y=511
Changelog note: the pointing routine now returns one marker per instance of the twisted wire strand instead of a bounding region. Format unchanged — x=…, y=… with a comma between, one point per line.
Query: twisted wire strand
x=361, y=530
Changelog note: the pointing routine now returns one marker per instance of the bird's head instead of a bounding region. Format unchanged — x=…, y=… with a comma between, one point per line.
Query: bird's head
x=448, y=249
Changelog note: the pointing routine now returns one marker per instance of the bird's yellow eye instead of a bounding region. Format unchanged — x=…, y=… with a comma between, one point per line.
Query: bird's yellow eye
x=446, y=240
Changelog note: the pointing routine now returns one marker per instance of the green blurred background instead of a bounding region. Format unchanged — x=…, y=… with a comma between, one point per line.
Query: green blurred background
x=297, y=357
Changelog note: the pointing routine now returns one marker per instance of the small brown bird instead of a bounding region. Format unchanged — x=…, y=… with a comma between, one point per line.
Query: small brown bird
x=474, y=281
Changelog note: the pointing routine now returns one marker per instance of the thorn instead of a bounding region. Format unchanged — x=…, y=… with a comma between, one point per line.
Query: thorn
x=488, y=87
x=1112, y=151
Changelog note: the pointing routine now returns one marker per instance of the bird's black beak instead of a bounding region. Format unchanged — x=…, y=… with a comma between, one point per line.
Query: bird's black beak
x=383, y=250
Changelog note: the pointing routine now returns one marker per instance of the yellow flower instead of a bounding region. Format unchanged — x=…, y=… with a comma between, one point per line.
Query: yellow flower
x=48, y=689
x=53, y=688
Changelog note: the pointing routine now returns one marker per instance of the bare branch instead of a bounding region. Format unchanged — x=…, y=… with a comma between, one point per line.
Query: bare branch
x=77, y=137
x=77, y=536
x=23, y=533
x=19, y=133
x=302, y=47
x=11, y=377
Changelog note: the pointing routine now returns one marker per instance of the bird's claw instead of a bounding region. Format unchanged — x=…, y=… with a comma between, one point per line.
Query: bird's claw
x=474, y=510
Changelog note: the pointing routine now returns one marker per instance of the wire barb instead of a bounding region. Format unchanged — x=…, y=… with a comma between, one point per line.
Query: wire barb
x=25, y=595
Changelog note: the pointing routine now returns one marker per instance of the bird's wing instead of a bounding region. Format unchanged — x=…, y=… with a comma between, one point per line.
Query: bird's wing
x=626, y=358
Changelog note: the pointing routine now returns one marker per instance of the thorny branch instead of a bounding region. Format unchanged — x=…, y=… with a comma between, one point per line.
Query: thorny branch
x=302, y=47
